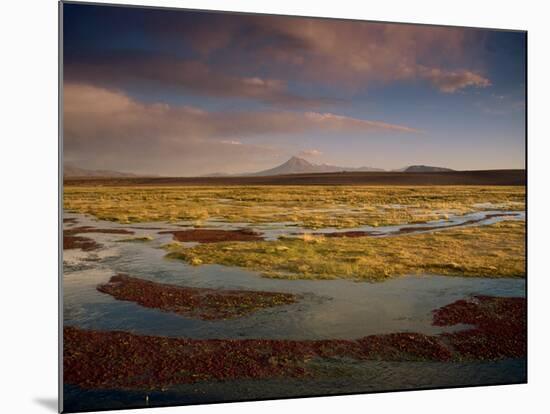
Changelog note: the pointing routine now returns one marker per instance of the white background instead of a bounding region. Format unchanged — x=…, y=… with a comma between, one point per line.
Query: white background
x=28, y=162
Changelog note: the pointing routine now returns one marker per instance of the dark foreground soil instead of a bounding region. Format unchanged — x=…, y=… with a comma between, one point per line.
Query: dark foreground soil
x=209, y=304
x=107, y=360
x=482, y=177
x=213, y=235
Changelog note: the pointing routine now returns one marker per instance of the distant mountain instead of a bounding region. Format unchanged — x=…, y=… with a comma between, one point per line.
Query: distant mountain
x=297, y=165
x=424, y=168
x=294, y=165
x=365, y=169
x=72, y=172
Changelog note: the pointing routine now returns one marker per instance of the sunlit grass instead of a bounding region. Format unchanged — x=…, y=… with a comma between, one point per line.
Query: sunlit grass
x=310, y=206
x=496, y=250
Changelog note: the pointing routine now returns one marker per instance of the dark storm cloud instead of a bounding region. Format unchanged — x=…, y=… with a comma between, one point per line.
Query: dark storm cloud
x=256, y=57
x=190, y=76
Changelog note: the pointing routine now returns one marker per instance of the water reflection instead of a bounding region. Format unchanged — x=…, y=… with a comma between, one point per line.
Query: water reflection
x=329, y=308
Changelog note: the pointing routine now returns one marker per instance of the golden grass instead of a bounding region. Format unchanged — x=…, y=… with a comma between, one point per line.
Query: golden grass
x=496, y=250
x=310, y=206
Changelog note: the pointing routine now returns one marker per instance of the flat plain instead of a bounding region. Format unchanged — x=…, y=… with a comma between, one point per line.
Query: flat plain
x=289, y=275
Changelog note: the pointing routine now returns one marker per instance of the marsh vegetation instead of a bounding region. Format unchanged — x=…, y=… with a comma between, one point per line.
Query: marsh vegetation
x=196, y=311
x=496, y=250
x=309, y=206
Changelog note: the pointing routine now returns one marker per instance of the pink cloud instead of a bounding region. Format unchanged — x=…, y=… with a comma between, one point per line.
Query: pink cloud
x=450, y=82
x=310, y=153
x=350, y=53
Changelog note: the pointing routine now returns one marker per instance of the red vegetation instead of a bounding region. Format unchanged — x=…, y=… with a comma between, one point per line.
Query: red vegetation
x=203, y=303
x=146, y=228
x=77, y=242
x=351, y=233
x=89, y=229
x=94, y=359
x=500, y=327
x=405, y=346
x=214, y=235
x=71, y=241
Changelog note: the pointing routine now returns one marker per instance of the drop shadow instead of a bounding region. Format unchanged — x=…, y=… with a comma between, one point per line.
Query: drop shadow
x=49, y=403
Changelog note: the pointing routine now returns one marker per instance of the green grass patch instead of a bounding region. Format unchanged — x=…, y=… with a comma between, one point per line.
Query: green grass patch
x=496, y=250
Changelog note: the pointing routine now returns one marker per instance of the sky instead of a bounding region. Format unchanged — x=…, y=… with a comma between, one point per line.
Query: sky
x=186, y=93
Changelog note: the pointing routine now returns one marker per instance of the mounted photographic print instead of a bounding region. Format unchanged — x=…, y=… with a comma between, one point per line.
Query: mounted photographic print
x=258, y=207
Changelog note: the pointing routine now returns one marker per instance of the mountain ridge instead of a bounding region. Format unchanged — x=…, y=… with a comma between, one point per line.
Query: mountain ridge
x=424, y=168
x=73, y=171
x=296, y=165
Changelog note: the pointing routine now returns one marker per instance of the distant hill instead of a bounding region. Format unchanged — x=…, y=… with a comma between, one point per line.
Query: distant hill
x=216, y=174
x=425, y=168
x=486, y=177
x=77, y=172
x=297, y=165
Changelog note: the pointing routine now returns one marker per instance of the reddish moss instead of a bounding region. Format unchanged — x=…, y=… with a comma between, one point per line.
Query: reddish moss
x=71, y=241
x=89, y=229
x=95, y=359
x=146, y=228
x=409, y=346
x=500, y=327
x=77, y=242
x=195, y=302
x=213, y=235
x=351, y=233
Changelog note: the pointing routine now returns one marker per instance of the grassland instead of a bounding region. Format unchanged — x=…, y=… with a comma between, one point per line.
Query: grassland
x=496, y=250
x=490, y=251
x=310, y=206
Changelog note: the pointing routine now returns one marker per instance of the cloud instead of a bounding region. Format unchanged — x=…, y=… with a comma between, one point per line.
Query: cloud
x=450, y=82
x=363, y=53
x=258, y=57
x=108, y=129
x=310, y=153
x=193, y=76
x=339, y=122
